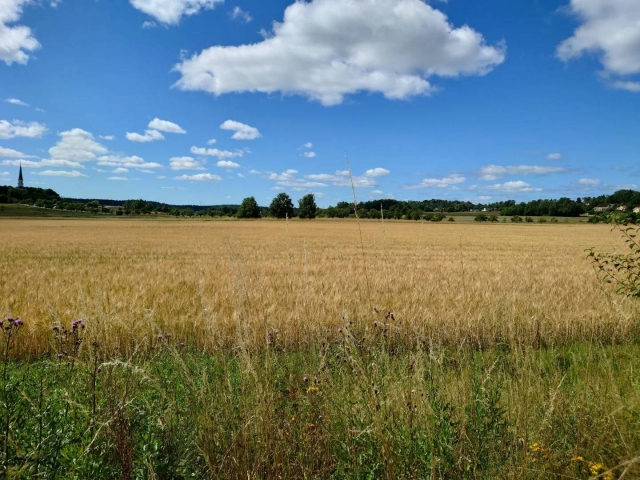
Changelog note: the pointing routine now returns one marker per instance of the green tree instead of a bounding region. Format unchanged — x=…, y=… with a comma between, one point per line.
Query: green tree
x=308, y=207
x=281, y=206
x=249, y=208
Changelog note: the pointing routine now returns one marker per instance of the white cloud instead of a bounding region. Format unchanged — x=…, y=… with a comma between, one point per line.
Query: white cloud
x=554, y=156
x=484, y=198
x=60, y=163
x=201, y=177
x=254, y=172
x=240, y=175
x=610, y=30
x=24, y=163
x=227, y=164
x=308, y=145
x=171, y=11
x=309, y=154
x=15, y=101
x=76, y=145
x=148, y=24
x=62, y=173
x=21, y=129
x=326, y=49
x=107, y=137
x=214, y=152
x=120, y=170
x=494, y=172
x=377, y=192
x=126, y=162
x=165, y=126
x=589, y=182
x=4, y=174
x=118, y=179
x=633, y=87
x=149, y=136
x=377, y=172
x=243, y=132
x=516, y=186
x=212, y=141
x=186, y=163
x=15, y=41
x=341, y=179
x=8, y=152
x=450, y=181
x=238, y=13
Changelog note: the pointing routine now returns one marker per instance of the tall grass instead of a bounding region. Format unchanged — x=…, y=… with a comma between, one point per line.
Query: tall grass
x=252, y=350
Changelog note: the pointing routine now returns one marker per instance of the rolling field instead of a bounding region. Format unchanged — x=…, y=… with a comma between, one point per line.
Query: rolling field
x=218, y=284
x=316, y=349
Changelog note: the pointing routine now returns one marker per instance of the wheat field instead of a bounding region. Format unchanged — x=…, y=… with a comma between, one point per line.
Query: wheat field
x=225, y=284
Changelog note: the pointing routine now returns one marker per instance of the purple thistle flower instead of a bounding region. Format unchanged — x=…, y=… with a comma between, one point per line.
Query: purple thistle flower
x=305, y=379
x=18, y=322
x=60, y=355
x=160, y=337
x=167, y=335
x=182, y=344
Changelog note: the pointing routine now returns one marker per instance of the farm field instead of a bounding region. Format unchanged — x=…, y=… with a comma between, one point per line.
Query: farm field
x=274, y=349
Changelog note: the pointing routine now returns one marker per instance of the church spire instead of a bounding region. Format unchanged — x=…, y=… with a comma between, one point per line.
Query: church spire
x=20, y=179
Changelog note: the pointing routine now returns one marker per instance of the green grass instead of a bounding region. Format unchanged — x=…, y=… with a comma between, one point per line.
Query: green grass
x=368, y=406
x=15, y=210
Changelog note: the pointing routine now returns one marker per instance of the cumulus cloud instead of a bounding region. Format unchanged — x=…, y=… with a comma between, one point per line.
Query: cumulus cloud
x=377, y=172
x=307, y=145
x=554, y=156
x=450, y=181
x=341, y=179
x=107, y=137
x=149, y=136
x=326, y=49
x=76, y=145
x=126, y=162
x=165, y=126
x=514, y=187
x=309, y=154
x=170, y=12
x=15, y=41
x=238, y=14
x=16, y=101
x=242, y=131
x=608, y=29
x=494, y=172
x=201, y=177
x=629, y=86
x=24, y=163
x=214, y=152
x=118, y=179
x=18, y=128
x=8, y=152
x=120, y=170
x=227, y=164
x=589, y=182
x=51, y=162
x=62, y=173
x=186, y=163
x=212, y=141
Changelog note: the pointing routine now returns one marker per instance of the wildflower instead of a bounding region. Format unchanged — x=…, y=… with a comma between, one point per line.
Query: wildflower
x=182, y=344
x=305, y=379
x=596, y=469
x=18, y=323
x=312, y=389
x=577, y=458
x=99, y=369
x=75, y=324
x=60, y=355
x=390, y=315
x=167, y=336
x=160, y=337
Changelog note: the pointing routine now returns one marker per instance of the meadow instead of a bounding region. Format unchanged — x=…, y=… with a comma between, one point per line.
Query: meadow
x=314, y=349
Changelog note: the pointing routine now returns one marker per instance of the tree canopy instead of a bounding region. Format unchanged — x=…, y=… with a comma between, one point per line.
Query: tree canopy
x=249, y=208
x=307, y=206
x=281, y=206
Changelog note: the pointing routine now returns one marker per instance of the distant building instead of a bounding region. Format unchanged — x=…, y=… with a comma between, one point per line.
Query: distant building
x=20, y=179
x=622, y=208
x=636, y=210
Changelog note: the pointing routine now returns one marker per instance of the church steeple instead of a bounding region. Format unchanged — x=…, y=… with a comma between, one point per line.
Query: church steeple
x=20, y=179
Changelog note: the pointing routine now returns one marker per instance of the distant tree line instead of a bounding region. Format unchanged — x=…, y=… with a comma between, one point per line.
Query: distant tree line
x=282, y=206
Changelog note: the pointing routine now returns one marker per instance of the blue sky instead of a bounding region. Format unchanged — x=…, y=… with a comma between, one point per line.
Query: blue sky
x=210, y=101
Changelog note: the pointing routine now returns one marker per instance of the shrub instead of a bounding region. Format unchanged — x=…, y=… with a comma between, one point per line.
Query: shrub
x=481, y=218
x=516, y=219
x=451, y=219
x=528, y=220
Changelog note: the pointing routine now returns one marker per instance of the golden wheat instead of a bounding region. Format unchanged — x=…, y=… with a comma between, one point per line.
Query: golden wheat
x=231, y=284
